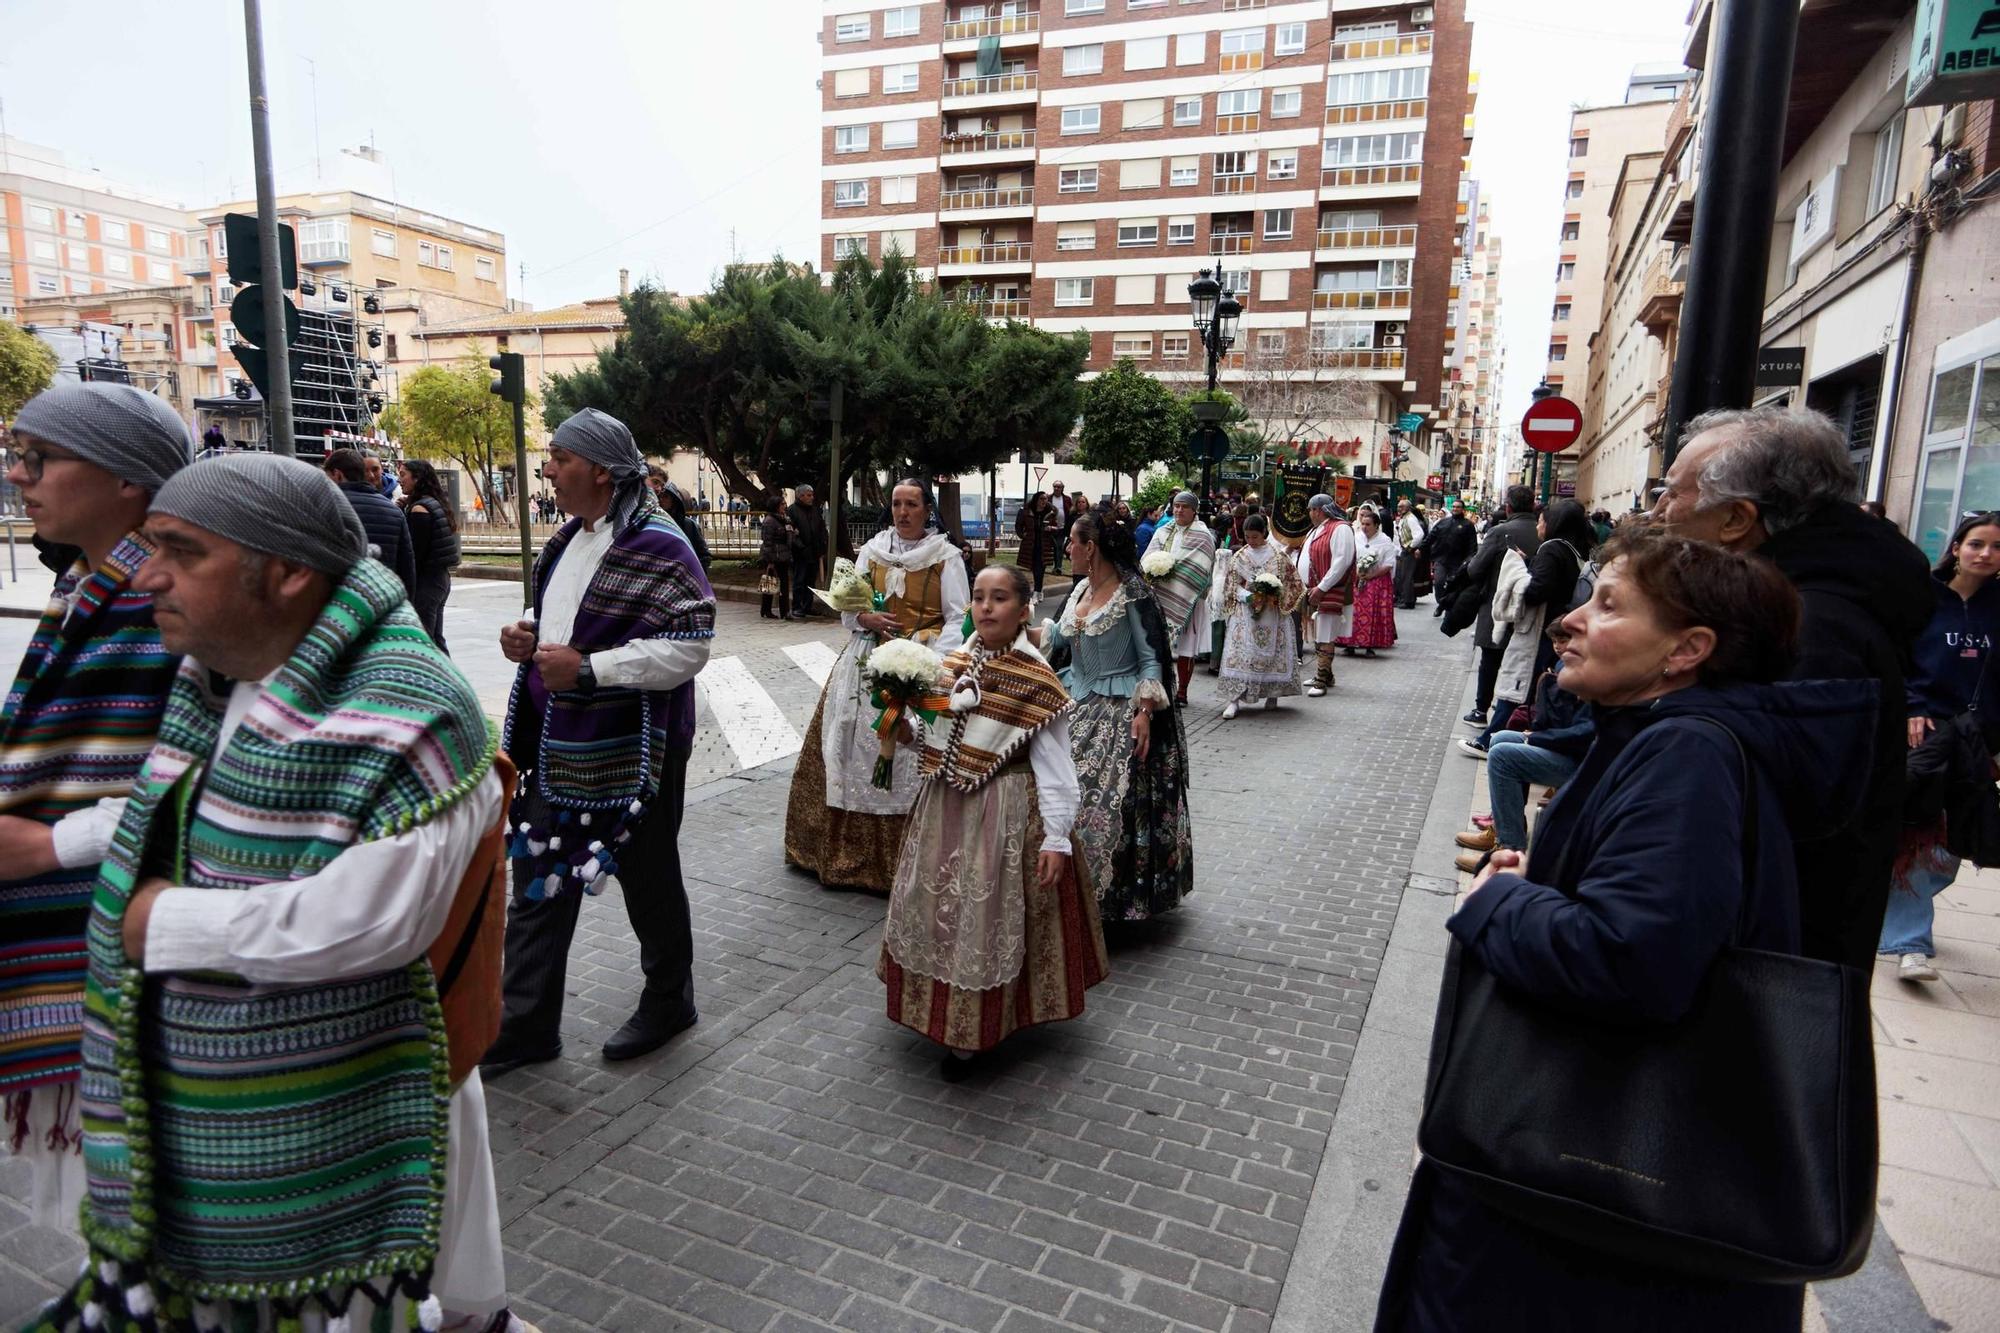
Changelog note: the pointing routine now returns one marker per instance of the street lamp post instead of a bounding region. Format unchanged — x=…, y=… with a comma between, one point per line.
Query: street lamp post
x=1216, y=312
x=1548, y=461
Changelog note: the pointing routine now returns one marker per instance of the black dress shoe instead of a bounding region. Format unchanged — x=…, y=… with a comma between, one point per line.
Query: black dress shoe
x=644, y=1033
x=505, y=1056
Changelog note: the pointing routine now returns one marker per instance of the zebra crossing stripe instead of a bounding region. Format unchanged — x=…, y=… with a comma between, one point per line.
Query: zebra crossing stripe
x=816, y=659
x=748, y=717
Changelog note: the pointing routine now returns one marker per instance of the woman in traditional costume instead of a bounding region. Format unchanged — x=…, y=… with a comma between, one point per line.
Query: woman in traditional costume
x=1133, y=829
x=1260, y=655
x=1375, y=591
x=1181, y=592
x=990, y=925
x=839, y=825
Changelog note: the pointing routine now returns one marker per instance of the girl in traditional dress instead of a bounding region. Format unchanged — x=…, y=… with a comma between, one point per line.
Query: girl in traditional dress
x=1260, y=654
x=838, y=824
x=1133, y=829
x=1375, y=593
x=991, y=926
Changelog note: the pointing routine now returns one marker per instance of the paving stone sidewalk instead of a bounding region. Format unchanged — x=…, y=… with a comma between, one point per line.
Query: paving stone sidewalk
x=796, y=1162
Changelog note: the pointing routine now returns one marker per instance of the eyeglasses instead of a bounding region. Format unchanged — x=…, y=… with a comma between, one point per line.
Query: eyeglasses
x=34, y=458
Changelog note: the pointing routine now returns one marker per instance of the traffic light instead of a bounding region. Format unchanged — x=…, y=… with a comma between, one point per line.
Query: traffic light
x=512, y=385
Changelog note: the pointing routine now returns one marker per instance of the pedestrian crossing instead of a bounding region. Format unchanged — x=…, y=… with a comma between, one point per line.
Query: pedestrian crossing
x=749, y=719
x=816, y=659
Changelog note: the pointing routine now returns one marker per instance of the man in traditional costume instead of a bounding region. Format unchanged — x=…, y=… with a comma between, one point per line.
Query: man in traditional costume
x=1408, y=537
x=838, y=824
x=294, y=944
x=1182, y=593
x=601, y=724
x=78, y=724
x=1326, y=567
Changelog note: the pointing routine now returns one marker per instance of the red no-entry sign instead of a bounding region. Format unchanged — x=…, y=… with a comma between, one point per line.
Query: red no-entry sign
x=1552, y=425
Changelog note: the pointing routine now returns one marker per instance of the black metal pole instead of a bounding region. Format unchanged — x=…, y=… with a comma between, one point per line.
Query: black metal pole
x=1211, y=340
x=521, y=505
x=1722, y=313
x=277, y=346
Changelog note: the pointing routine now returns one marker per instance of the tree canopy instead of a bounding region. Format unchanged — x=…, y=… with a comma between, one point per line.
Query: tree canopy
x=1131, y=420
x=27, y=366
x=449, y=413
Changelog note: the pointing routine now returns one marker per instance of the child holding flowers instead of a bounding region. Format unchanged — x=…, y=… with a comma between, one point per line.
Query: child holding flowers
x=1260, y=655
x=991, y=926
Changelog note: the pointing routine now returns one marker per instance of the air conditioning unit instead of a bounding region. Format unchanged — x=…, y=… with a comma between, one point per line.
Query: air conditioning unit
x=1392, y=340
x=1423, y=14
x=1395, y=327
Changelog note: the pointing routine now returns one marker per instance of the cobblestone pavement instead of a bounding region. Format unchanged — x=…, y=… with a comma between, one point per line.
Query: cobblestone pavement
x=796, y=1162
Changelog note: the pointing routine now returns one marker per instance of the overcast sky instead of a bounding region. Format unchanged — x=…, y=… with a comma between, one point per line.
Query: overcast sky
x=663, y=136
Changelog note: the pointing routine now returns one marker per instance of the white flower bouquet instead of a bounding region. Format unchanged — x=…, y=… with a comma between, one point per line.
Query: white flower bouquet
x=1157, y=564
x=901, y=674
x=1264, y=592
x=1368, y=562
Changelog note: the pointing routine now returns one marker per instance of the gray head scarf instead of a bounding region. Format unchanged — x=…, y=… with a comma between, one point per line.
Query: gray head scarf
x=1319, y=502
x=1186, y=498
x=280, y=506
x=603, y=439
x=119, y=427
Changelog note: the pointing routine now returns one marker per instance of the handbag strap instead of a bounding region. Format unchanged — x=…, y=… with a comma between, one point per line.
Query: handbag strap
x=1750, y=822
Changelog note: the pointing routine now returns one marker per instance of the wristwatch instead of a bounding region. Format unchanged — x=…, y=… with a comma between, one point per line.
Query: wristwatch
x=586, y=678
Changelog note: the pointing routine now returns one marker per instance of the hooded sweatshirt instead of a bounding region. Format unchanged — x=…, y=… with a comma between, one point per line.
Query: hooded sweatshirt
x=1950, y=671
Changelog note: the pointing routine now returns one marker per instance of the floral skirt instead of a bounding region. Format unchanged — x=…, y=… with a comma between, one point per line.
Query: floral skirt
x=1132, y=826
x=845, y=848
x=956, y=872
x=1374, y=615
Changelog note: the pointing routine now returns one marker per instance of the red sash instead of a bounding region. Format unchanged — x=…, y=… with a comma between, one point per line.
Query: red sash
x=1319, y=559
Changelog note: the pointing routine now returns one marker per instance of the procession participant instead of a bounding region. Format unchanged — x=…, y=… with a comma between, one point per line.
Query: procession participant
x=990, y=926
x=1375, y=564
x=838, y=823
x=311, y=822
x=1409, y=536
x=1181, y=591
x=1133, y=830
x=1326, y=566
x=601, y=723
x=78, y=724
x=1260, y=657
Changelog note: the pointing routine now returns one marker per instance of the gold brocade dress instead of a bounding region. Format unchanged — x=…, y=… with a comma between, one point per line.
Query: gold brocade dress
x=837, y=824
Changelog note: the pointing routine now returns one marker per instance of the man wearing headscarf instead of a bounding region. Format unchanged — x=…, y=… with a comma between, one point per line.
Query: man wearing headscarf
x=1326, y=567
x=293, y=943
x=601, y=719
x=1182, y=591
x=78, y=723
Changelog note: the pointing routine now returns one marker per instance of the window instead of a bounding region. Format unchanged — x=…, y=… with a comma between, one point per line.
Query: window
x=322, y=239
x=1572, y=231
x=850, y=83
x=1076, y=180
x=1191, y=48
x=1139, y=231
x=904, y=22
x=1566, y=271
x=1184, y=171
x=900, y=78
x=1175, y=345
x=1241, y=40
x=1348, y=337
x=1137, y=289
x=1187, y=111
x=1076, y=291
x=1286, y=102
x=1394, y=273
x=1270, y=342
x=1137, y=346
x=43, y=249
x=1284, y=165
x=1291, y=39
x=1277, y=223
x=1379, y=85
x=156, y=240
x=117, y=263
x=851, y=28
x=899, y=190
x=1558, y=352
x=1180, y=231
x=899, y=134
x=1235, y=164
x=1364, y=32
x=1885, y=159
x=1561, y=313
x=1575, y=190
x=444, y=258
x=1235, y=280
x=382, y=243
x=1369, y=149
x=850, y=194
x=1277, y=284
x=483, y=268
x=1139, y=173
x=115, y=233
x=1239, y=102
x=1082, y=119
x=1145, y=113
x=1959, y=473
x=1076, y=236
x=1083, y=6
x=850, y=139
x=41, y=215
x=46, y=285
x=850, y=247
x=1083, y=59
x=1146, y=53
x=903, y=243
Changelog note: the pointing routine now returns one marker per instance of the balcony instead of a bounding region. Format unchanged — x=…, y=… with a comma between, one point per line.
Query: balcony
x=314, y=253
x=1409, y=44
x=1231, y=6
x=998, y=255
x=1369, y=113
x=1019, y=198
x=1011, y=307
x=1000, y=143
x=1006, y=25
x=1359, y=358
x=1404, y=178
x=1368, y=238
x=997, y=88
x=1660, y=304
x=1231, y=243
x=1386, y=298
x=1233, y=182
x=1679, y=121
x=1246, y=123
x=1237, y=62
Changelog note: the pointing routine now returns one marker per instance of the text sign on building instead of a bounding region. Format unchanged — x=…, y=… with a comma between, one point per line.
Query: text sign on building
x=1812, y=225
x=1954, y=52
x=1410, y=423
x=1552, y=425
x=1784, y=366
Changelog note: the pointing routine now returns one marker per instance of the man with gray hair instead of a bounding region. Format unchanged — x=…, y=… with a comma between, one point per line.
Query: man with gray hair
x=1326, y=567
x=808, y=547
x=1779, y=482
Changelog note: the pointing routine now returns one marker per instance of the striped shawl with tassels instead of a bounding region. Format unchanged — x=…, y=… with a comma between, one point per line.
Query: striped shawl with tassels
x=996, y=703
x=269, y=1145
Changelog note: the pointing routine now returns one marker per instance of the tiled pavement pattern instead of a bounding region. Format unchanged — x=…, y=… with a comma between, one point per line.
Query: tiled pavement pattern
x=796, y=1161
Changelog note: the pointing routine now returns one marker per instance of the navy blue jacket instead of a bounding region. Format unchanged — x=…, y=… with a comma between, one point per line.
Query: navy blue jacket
x=388, y=531
x=1949, y=669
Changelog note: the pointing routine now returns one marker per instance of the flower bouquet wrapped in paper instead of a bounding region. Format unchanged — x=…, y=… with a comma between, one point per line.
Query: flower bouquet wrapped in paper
x=1157, y=564
x=899, y=673
x=1264, y=592
x=1368, y=562
x=847, y=590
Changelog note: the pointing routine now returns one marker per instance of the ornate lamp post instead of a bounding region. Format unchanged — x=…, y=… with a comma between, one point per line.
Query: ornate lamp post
x=1216, y=313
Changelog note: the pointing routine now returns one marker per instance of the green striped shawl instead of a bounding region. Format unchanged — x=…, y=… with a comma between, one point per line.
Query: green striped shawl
x=275, y=1143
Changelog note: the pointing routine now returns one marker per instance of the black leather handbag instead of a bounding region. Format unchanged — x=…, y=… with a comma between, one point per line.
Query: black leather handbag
x=1737, y=1143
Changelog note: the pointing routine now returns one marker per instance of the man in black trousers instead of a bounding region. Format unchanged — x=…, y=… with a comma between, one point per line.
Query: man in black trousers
x=808, y=548
x=1516, y=532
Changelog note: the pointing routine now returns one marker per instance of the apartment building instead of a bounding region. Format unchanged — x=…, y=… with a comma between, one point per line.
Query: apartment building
x=65, y=231
x=143, y=328
x=1075, y=162
x=1474, y=351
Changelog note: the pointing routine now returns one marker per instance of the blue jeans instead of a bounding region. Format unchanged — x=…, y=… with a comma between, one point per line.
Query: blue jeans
x=1512, y=766
x=1906, y=925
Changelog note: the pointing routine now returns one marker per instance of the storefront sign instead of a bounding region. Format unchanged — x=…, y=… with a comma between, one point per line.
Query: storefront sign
x=1781, y=366
x=1954, y=52
x=1566, y=489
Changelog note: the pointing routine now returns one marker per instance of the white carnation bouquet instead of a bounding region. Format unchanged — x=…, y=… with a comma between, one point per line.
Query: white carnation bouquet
x=1368, y=562
x=1264, y=592
x=1157, y=564
x=901, y=674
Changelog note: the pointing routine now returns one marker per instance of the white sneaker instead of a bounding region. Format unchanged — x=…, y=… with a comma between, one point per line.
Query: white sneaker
x=1229, y=711
x=1469, y=748
x=1916, y=967
x=1315, y=691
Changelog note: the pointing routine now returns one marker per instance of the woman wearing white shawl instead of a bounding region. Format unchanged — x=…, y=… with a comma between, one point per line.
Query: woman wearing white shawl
x=838, y=824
